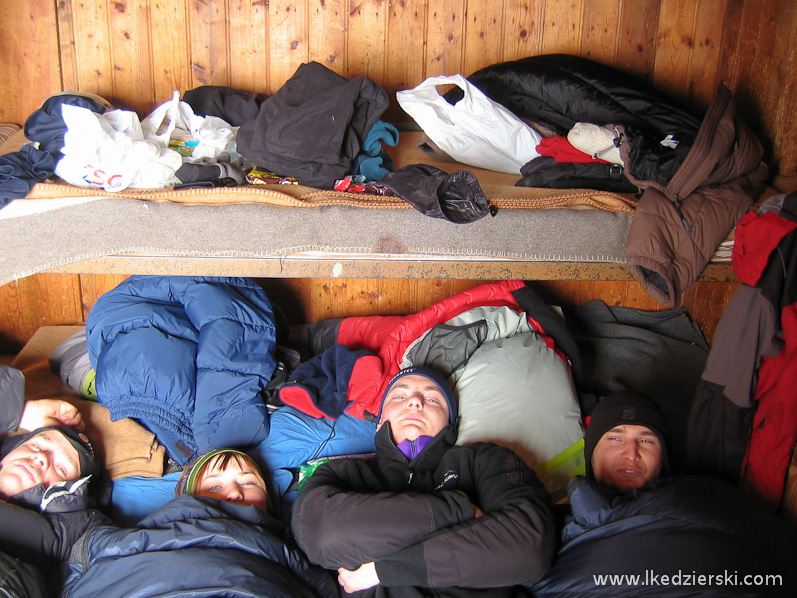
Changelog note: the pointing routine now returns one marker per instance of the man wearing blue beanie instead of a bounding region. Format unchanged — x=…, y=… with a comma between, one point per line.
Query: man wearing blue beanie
x=418, y=404
x=425, y=516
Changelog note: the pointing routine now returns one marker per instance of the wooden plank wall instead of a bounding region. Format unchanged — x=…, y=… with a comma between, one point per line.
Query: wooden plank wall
x=136, y=53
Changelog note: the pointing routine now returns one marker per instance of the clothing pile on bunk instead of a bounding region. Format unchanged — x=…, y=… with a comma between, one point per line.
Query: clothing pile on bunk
x=594, y=126
x=699, y=176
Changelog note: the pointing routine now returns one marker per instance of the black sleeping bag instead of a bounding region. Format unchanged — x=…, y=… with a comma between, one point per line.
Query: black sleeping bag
x=684, y=536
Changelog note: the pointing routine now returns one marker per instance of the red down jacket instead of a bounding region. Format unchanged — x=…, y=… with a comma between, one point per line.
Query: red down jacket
x=774, y=430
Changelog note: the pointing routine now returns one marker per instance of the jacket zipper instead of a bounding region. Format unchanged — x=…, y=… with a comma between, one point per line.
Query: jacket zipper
x=693, y=161
x=677, y=203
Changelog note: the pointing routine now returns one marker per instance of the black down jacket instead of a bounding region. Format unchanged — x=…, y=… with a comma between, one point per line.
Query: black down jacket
x=559, y=90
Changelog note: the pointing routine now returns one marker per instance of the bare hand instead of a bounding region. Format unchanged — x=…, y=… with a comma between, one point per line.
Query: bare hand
x=477, y=512
x=42, y=413
x=361, y=579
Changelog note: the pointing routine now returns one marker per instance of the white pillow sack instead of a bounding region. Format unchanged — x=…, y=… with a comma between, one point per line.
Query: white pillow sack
x=595, y=141
x=517, y=392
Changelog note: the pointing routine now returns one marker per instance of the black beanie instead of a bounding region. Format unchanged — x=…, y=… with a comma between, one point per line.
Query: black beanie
x=87, y=455
x=438, y=379
x=626, y=408
x=89, y=459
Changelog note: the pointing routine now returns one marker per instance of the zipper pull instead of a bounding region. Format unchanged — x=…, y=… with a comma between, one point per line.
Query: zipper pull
x=677, y=203
x=409, y=477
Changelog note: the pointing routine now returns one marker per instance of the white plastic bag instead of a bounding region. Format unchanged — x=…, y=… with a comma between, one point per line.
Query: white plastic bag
x=215, y=139
x=174, y=124
x=108, y=151
x=475, y=130
x=170, y=116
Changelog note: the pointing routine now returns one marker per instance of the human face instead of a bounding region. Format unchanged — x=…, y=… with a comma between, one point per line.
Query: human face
x=415, y=406
x=45, y=458
x=235, y=482
x=627, y=457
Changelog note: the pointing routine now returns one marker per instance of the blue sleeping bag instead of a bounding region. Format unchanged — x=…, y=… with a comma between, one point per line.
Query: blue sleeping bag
x=188, y=357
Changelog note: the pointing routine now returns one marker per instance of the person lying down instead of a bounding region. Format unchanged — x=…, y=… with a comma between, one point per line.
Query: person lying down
x=215, y=537
x=48, y=470
x=638, y=529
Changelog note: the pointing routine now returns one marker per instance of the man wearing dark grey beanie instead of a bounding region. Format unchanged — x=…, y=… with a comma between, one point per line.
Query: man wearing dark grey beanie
x=637, y=529
x=625, y=446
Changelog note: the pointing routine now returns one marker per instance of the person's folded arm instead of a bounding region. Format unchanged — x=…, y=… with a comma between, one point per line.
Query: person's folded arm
x=512, y=544
x=340, y=527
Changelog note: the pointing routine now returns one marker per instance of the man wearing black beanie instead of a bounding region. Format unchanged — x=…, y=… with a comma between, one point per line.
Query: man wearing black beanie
x=625, y=446
x=41, y=443
x=33, y=462
x=48, y=469
x=637, y=529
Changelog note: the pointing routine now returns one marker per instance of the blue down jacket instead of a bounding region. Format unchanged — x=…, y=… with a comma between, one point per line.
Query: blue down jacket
x=681, y=536
x=192, y=547
x=186, y=356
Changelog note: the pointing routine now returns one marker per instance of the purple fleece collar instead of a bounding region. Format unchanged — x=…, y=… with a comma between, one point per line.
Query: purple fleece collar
x=413, y=448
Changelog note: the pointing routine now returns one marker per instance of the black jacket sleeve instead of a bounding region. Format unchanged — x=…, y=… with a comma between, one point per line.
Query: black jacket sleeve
x=12, y=398
x=44, y=541
x=512, y=544
x=339, y=527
